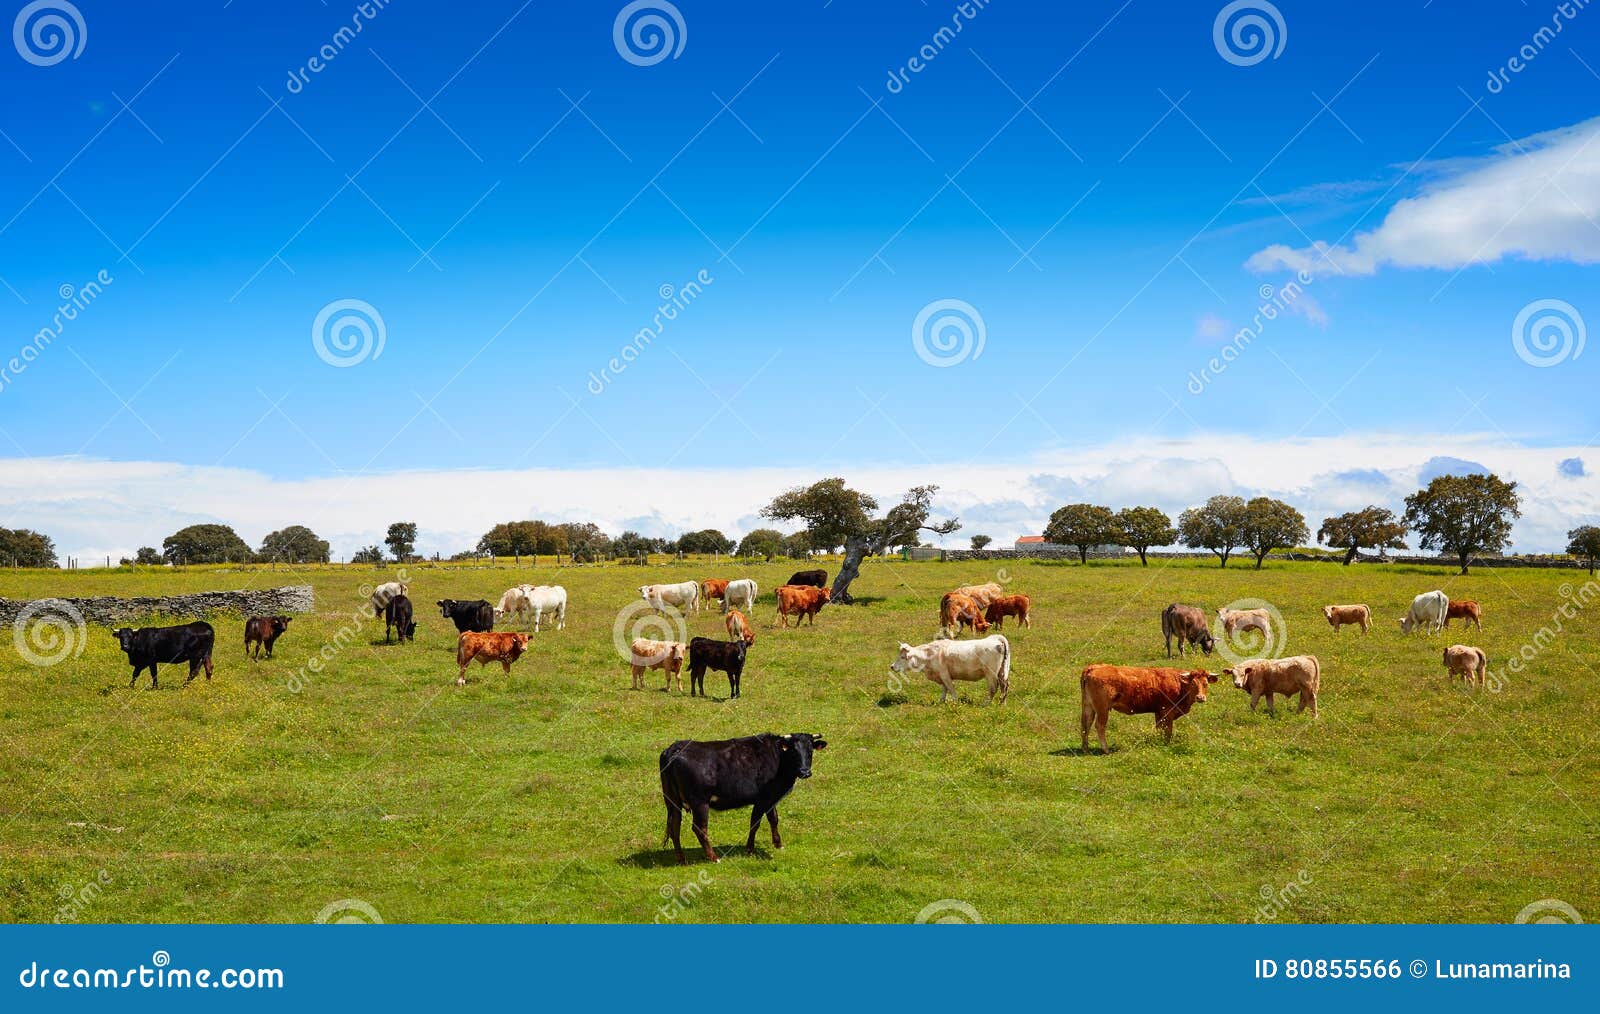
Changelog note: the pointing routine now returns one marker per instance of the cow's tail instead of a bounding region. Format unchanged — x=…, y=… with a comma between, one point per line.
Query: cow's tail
x=1005, y=666
x=1316, y=675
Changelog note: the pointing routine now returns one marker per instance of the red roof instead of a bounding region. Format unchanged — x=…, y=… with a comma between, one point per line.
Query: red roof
x=1030, y=538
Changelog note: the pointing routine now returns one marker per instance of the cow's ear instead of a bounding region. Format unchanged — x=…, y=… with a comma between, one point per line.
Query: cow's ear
x=817, y=742
x=1211, y=677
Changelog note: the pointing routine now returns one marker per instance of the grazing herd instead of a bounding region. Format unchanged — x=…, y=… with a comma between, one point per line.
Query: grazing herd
x=759, y=771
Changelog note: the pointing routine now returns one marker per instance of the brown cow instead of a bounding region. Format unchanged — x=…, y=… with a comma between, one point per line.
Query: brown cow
x=738, y=627
x=263, y=631
x=983, y=594
x=1338, y=616
x=1008, y=605
x=1188, y=625
x=806, y=601
x=1466, y=610
x=1470, y=663
x=1168, y=694
x=956, y=611
x=650, y=654
x=501, y=647
x=713, y=588
x=1263, y=677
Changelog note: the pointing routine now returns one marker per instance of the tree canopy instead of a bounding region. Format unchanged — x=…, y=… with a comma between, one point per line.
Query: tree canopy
x=402, y=540
x=707, y=540
x=1465, y=515
x=834, y=514
x=24, y=547
x=763, y=542
x=1369, y=528
x=1217, y=525
x=1082, y=525
x=1584, y=543
x=295, y=544
x=1272, y=524
x=205, y=544
x=979, y=541
x=1139, y=528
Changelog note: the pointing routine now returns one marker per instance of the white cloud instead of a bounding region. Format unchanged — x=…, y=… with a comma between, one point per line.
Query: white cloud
x=1538, y=198
x=95, y=509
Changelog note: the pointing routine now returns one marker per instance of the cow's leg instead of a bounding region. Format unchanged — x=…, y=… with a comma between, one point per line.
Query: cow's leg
x=152, y=676
x=194, y=670
x=772, y=818
x=1255, y=698
x=1166, y=730
x=674, y=826
x=755, y=825
x=135, y=681
x=702, y=829
x=1270, y=709
x=1085, y=716
x=207, y=661
x=1100, y=719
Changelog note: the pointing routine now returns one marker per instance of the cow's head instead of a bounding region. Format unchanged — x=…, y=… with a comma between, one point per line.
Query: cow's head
x=519, y=644
x=445, y=605
x=1405, y=624
x=1240, y=674
x=909, y=660
x=280, y=624
x=800, y=746
x=124, y=636
x=1194, y=683
x=644, y=591
x=1327, y=614
x=411, y=629
x=1206, y=641
x=978, y=622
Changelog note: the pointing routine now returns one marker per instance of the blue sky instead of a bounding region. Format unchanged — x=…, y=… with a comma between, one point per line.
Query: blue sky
x=1105, y=189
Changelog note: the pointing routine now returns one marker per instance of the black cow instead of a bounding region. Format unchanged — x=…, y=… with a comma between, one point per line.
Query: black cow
x=148, y=646
x=476, y=617
x=723, y=656
x=263, y=631
x=397, y=614
x=812, y=578
x=753, y=771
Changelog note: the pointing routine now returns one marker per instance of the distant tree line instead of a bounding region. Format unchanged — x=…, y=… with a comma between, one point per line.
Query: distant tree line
x=1459, y=515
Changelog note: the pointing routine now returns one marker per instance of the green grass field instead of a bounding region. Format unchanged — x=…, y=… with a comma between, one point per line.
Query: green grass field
x=535, y=797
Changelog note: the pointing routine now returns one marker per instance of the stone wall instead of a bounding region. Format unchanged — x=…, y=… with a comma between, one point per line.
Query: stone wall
x=109, y=610
x=1241, y=559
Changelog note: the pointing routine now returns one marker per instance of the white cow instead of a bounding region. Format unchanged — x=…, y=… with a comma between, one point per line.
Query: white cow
x=740, y=594
x=537, y=600
x=944, y=662
x=384, y=592
x=685, y=596
x=1428, y=612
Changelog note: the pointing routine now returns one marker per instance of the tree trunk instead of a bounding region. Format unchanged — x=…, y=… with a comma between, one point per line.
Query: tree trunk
x=1083, y=555
x=855, y=550
x=1350, y=555
x=1259, y=557
x=1142, y=561
x=1464, y=558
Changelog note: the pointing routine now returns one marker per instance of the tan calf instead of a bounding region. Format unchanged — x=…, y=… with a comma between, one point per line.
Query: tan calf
x=1264, y=677
x=1470, y=663
x=1356, y=616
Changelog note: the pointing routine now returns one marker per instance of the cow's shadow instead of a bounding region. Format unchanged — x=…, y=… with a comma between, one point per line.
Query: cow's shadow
x=1079, y=751
x=665, y=858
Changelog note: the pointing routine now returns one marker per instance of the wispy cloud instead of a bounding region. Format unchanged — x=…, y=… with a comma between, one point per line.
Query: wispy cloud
x=1537, y=198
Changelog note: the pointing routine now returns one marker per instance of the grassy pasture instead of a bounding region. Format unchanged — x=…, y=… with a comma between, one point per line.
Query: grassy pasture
x=534, y=797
